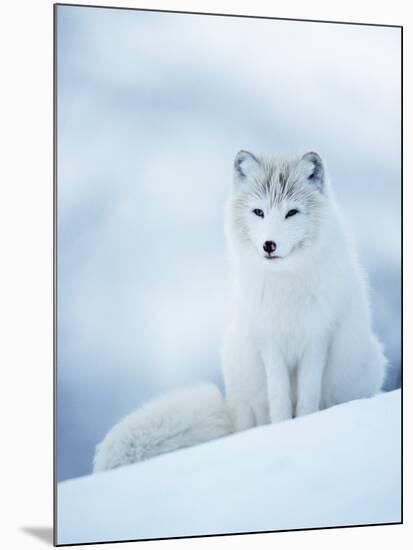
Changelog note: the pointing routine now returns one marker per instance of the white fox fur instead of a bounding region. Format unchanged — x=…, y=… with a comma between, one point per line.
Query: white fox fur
x=300, y=339
x=181, y=419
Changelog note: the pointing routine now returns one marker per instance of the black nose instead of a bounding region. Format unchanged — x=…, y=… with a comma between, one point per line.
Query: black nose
x=269, y=246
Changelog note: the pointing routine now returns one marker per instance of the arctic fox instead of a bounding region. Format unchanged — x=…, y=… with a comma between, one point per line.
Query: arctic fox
x=300, y=339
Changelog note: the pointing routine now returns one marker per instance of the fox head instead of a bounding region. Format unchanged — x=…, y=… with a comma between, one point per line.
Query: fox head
x=277, y=207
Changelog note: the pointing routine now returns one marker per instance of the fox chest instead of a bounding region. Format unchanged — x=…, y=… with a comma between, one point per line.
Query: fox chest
x=290, y=322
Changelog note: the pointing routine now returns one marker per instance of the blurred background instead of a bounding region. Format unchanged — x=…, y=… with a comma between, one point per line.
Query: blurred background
x=152, y=108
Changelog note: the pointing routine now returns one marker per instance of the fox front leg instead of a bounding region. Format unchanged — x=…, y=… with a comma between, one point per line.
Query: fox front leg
x=309, y=380
x=278, y=385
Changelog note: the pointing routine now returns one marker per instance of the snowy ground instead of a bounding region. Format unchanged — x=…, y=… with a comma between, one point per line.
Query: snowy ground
x=337, y=467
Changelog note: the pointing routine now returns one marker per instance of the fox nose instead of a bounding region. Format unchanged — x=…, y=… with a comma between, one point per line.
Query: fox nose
x=269, y=246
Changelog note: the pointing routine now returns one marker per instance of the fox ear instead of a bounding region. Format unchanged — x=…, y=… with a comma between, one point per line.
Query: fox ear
x=313, y=169
x=245, y=166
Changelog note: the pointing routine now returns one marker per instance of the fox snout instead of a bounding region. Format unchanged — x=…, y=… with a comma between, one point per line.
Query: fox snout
x=269, y=247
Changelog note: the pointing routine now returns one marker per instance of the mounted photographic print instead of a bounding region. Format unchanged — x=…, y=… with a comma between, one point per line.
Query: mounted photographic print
x=227, y=274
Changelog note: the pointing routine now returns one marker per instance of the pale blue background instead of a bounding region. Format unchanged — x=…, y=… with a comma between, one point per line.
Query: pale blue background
x=151, y=111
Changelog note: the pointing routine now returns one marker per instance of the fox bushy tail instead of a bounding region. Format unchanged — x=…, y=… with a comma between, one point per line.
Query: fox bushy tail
x=177, y=420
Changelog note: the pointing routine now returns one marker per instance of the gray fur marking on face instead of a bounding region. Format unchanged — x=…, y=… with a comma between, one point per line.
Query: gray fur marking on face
x=281, y=178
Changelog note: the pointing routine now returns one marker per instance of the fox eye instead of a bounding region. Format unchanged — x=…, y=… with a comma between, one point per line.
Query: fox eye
x=290, y=213
x=258, y=212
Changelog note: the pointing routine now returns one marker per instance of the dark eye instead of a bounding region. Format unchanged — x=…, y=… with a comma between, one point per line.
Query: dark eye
x=290, y=213
x=258, y=212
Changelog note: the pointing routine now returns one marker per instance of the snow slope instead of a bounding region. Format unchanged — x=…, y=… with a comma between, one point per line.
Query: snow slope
x=336, y=467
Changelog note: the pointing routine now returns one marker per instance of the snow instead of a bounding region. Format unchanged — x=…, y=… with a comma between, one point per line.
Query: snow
x=337, y=467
